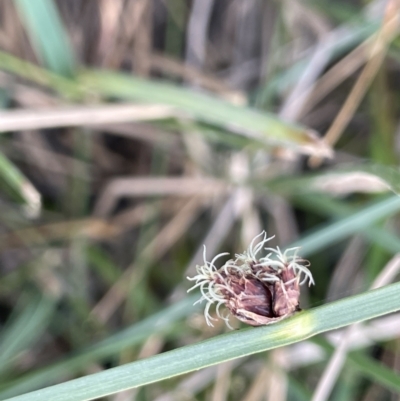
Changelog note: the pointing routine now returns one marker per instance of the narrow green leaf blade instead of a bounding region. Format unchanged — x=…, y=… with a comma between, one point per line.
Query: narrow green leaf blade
x=225, y=347
x=24, y=329
x=65, y=86
x=48, y=35
x=162, y=322
x=347, y=226
x=263, y=127
x=19, y=186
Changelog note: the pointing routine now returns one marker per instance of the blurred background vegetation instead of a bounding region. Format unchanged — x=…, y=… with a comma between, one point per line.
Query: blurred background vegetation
x=135, y=131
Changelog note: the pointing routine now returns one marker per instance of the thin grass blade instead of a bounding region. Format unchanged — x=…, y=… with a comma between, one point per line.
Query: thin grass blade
x=262, y=127
x=48, y=35
x=19, y=187
x=225, y=347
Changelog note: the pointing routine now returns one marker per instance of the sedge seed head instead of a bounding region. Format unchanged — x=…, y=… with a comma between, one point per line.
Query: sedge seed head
x=256, y=290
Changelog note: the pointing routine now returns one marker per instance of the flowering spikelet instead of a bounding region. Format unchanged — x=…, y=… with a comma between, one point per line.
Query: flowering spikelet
x=256, y=290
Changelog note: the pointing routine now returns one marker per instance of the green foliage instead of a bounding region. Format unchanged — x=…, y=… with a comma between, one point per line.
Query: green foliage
x=233, y=345
x=222, y=165
x=48, y=35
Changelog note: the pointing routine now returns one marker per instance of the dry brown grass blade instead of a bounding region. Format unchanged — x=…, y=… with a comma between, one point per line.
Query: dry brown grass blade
x=122, y=23
x=348, y=183
x=257, y=389
x=222, y=381
x=92, y=228
x=338, y=73
x=16, y=120
x=134, y=187
x=337, y=360
x=293, y=107
x=196, y=38
x=143, y=212
x=110, y=14
x=277, y=379
x=143, y=37
x=378, y=51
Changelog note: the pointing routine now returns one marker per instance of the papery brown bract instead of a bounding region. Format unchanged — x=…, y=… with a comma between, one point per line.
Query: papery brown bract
x=256, y=302
x=248, y=299
x=286, y=294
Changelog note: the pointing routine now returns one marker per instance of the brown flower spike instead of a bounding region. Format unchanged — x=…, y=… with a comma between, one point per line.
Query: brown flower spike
x=256, y=291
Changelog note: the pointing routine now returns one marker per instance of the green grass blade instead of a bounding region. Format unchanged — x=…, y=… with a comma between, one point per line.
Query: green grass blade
x=377, y=372
x=333, y=207
x=48, y=35
x=66, y=87
x=24, y=329
x=347, y=226
x=19, y=187
x=310, y=244
x=249, y=123
x=225, y=347
x=260, y=126
x=161, y=322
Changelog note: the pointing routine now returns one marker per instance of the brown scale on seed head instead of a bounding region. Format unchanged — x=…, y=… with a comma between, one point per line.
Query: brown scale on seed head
x=256, y=291
x=247, y=298
x=286, y=293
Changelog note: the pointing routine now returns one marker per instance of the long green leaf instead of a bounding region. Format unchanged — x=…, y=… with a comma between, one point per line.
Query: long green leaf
x=333, y=207
x=314, y=242
x=263, y=127
x=374, y=234
x=48, y=35
x=161, y=322
x=25, y=328
x=347, y=226
x=65, y=86
x=19, y=186
x=225, y=347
